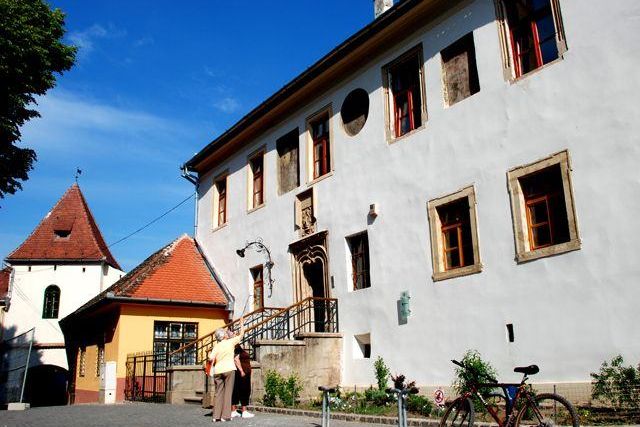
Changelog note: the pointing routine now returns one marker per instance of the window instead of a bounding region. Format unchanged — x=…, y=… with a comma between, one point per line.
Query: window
x=362, y=346
x=51, y=302
x=543, y=209
x=170, y=336
x=320, y=145
x=459, y=71
x=359, y=247
x=532, y=34
x=403, y=86
x=99, y=360
x=305, y=221
x=454, y=234
x=288, y=165
x=256, y=176
x=258, y=287
x=220, y=201
x=82, y=362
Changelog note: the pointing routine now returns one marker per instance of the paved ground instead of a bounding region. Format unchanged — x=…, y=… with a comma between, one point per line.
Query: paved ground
x=145, y=415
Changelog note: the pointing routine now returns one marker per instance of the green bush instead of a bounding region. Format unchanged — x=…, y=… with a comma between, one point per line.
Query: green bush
x=617, y=384
x=287, y=390
x=377, y=397
x=272, y=382
x=419, y=404
x=382, y=373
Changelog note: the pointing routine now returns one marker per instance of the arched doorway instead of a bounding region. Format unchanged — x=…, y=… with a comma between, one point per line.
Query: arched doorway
x=46, y=385
x=311, y=277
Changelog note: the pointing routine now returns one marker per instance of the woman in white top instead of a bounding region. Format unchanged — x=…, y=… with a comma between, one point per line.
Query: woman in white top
x=224, y=369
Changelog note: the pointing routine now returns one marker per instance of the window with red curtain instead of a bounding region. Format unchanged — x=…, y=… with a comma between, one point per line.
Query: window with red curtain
x=221, y=185
x=457, y=243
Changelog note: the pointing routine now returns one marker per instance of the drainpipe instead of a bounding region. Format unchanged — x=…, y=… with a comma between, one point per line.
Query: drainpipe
x=194, y=180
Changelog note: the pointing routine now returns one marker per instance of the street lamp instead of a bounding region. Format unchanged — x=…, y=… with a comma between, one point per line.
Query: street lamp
x=260, y=247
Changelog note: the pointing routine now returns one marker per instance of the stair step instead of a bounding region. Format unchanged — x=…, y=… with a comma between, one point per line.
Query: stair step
x=199, y=392
x=193, y=399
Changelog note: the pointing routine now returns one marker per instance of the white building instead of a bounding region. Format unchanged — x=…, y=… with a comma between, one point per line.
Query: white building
x=60, y=266
x=509, y=126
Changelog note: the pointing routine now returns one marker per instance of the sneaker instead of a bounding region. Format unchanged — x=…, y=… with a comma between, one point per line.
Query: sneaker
x=247, y=414
x=235, y=414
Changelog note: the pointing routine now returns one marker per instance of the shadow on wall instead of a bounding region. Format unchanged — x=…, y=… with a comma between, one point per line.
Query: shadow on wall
x=45, y=385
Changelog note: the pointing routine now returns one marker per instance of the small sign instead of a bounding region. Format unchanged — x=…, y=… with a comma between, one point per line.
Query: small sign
x=438, y=397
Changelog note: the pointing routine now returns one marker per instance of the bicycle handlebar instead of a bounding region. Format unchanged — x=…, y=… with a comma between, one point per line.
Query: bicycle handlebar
x=463, y=366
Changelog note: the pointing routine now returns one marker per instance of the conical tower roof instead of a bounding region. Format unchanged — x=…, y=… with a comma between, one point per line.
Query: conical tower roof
x=67, y=233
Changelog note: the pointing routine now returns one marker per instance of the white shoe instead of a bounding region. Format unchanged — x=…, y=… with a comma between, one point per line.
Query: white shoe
x=247, y=414
x=235, y=414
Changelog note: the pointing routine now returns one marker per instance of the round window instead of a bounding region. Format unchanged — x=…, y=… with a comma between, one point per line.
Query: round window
x=354, y=111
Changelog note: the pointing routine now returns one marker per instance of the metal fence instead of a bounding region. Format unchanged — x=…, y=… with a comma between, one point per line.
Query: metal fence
x=146, y=379
x=15, y=355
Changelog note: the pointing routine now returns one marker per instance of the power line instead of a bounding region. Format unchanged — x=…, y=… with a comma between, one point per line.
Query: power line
x=153, y=221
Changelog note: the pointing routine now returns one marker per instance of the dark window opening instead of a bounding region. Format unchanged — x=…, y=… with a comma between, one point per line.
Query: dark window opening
x=288, y=163
x=359, y=246
x=62, y=234
x=533, y=34
x=546, y=209
x=510, y=332
x=459, y=70
x=321, y=146
x=51, y=302
x=366, y=351
x=457, y=244
x=404, y=82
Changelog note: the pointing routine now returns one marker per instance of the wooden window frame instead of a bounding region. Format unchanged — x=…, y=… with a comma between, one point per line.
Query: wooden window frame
x=355, y=256
x=392, y=128
x=51, y=302
x=438, y=250
x=524, y=250
x=512, y=67
x=220, y=201
x=254, y=178
x=257, y=276
x=159, y=363
x=324, y=141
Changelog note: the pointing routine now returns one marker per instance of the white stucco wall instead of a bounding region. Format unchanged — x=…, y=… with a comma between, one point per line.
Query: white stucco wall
x=27, y=299
x=570, y=312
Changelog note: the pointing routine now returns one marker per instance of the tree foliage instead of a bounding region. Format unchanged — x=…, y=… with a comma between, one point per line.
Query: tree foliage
x=617, y=384
x=31, y=51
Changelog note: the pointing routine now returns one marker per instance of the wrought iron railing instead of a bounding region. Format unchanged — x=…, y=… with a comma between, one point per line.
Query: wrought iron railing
x=309, y=315
x=146, y=379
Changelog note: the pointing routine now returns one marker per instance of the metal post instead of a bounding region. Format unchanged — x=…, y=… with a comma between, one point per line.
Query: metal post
x=144, y=373
x=326, y=407
x=26, y=367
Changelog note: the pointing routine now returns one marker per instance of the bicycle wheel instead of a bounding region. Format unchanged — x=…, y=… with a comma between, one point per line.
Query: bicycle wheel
x=547, y=410
x=459, y=414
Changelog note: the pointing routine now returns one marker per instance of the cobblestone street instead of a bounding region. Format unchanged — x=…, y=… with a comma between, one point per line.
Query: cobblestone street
x=143, y=415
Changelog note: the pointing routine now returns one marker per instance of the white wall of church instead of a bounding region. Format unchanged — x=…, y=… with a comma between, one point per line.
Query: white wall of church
x=571, y=311
x=78, y=283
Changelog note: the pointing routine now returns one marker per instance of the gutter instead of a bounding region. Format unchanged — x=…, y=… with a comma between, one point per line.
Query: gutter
x=111, y=297
x=194, y=179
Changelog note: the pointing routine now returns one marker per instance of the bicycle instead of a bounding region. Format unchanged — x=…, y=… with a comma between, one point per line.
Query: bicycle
x=521, y=405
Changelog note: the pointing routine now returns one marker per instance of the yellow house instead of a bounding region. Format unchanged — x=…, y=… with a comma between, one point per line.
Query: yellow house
x=171, y=299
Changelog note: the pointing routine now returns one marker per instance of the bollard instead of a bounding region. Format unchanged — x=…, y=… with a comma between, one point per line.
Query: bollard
x=401, y=395
x=326, y=409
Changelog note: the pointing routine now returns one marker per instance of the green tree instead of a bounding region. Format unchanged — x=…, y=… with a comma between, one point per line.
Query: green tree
x=31, y=51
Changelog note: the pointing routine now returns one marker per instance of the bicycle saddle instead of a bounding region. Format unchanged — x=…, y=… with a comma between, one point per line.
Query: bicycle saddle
x=527, y=370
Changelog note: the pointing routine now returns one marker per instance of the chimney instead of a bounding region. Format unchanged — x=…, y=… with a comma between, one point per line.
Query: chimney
x=381, y=6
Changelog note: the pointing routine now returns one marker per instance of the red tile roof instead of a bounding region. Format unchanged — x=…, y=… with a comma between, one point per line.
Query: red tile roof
x=5, y=275
x=68, y=232
x=177, y=272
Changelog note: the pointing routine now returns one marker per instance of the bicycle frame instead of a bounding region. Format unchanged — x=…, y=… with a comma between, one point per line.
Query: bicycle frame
x=510, y=404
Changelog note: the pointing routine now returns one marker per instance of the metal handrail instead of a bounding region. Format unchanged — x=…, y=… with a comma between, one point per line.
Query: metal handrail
x=308, y=315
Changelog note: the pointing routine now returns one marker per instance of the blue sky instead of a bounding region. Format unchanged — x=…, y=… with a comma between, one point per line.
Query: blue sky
x=154, y=83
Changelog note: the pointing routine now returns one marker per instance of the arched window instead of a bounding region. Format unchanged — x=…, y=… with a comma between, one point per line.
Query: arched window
x=51, y=302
